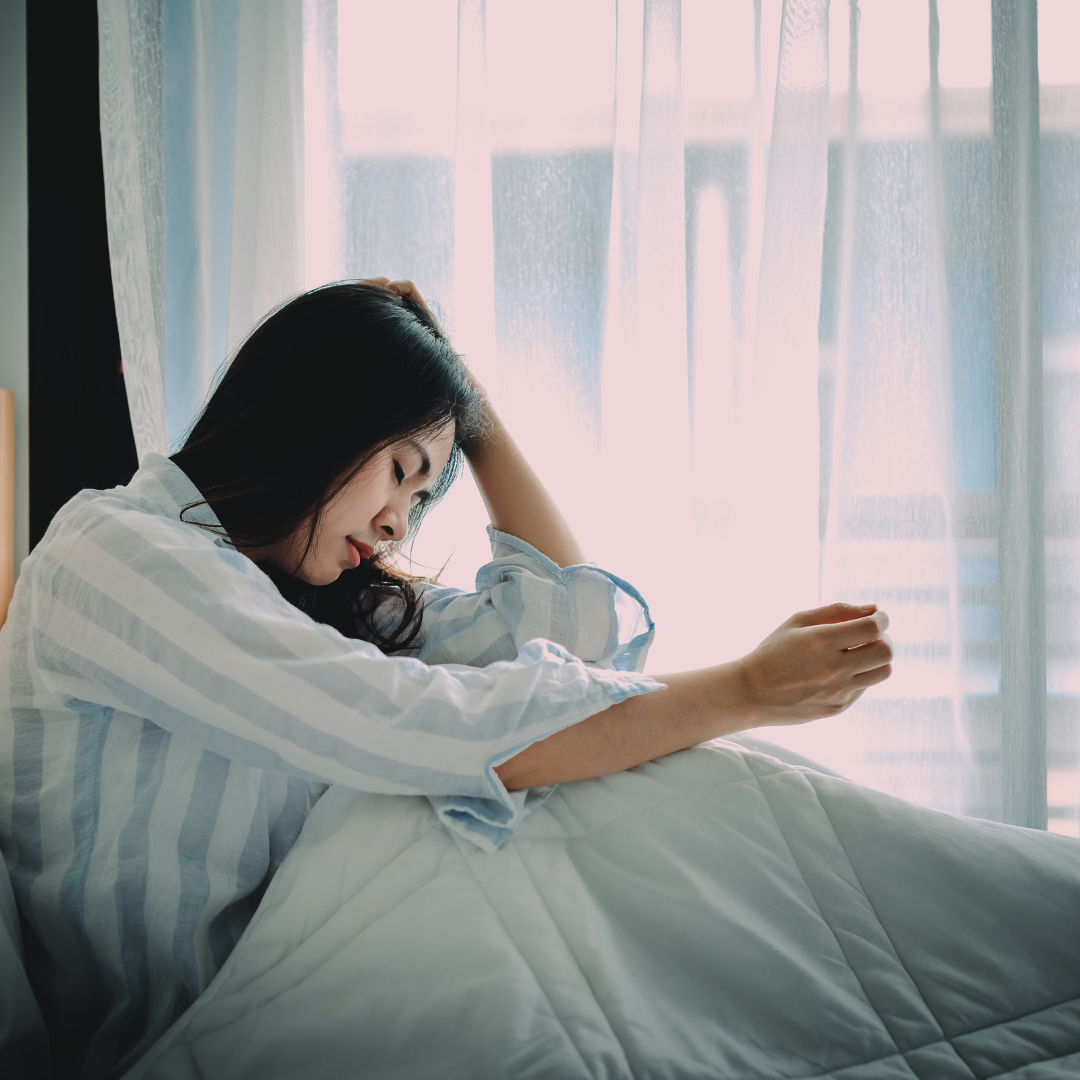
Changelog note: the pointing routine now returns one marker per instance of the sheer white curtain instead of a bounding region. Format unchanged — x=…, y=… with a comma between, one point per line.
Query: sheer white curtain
x=202, y=124
x=728, y=269
x=542, y=196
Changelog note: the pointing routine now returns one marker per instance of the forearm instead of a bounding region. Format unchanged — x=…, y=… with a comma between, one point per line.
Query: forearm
x=815, y=664
x=516, y=500
x=694, y=706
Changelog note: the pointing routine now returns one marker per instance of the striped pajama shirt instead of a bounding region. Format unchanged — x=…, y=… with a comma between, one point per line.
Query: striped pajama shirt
x=167, y=721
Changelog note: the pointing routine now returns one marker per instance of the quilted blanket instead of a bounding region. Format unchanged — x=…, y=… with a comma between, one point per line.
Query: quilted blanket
x=716, y=913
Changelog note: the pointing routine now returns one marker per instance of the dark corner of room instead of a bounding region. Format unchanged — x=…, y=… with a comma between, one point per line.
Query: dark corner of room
x=80, y=429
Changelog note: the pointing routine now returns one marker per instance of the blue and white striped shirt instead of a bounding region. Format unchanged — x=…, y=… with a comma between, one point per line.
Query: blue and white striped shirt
x=167, y=721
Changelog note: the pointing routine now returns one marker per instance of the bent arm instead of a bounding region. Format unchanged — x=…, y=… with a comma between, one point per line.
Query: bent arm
x=694, y=706
x=517, y=501
x=815, y=664
x=522, y=595
x=141, y=614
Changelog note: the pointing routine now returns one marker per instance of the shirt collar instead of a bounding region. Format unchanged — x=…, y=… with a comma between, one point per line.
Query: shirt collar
x=166, y=483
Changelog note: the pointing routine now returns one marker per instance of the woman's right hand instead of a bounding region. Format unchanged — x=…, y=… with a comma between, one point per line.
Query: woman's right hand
x=409, y=291
x=402, y=287
x=817, y=663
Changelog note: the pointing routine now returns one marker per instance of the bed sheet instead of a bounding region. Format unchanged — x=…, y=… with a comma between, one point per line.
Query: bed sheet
x=24, y=1046
x=715, y=913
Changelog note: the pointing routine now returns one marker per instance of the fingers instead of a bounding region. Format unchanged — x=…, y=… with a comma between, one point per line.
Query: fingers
x=402, y=287
x=858, y=632
x=872, y=677
x=824, y=658
x=854, y=626
x=830, y=613
x=408, y=290
x=872, y=655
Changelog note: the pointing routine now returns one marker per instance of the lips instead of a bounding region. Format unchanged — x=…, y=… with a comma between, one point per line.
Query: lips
x=358, y=550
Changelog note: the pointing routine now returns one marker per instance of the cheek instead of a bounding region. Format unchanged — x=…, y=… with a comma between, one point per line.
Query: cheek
x=352, y=509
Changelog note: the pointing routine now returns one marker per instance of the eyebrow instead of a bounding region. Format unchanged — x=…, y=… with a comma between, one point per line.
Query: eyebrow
x=425, y=461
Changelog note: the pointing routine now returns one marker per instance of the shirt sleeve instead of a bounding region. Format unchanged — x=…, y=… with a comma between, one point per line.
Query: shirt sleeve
x=136, y=614
x=522, y=595
x=523, y=599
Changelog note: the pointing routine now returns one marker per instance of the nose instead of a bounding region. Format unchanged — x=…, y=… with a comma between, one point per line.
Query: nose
x=393, y=520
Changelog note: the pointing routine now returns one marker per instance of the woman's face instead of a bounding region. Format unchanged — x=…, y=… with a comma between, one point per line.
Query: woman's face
x=373, y=506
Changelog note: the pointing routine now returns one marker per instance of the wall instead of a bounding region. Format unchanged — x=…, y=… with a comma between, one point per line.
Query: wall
x=14, y=334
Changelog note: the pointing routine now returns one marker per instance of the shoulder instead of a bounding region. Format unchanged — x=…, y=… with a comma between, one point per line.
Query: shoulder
x=125, y=527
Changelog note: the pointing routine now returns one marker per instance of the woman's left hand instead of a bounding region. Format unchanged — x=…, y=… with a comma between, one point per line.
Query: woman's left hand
x=817, y=663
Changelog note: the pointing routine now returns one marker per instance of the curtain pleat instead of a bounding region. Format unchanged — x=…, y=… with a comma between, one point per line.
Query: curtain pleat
x=473, y=300
x=267, y=263
x=130, y=75
x=888, y=524
x=1019, y=405
x=780, y=446
x=201, y=41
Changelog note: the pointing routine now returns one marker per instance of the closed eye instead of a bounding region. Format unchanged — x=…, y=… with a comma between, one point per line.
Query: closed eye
x=420, y=496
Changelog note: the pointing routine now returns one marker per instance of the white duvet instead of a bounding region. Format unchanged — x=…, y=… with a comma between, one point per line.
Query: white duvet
x=716, y=913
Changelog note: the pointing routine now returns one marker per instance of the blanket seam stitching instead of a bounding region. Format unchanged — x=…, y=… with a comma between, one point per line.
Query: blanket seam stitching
x=680, y=797
x=577, y=964
x=199, y=1004
x=831, y=1073
x=832, y=930
x=892, y=945
x=1045, y=1061
x=949, y=1038
x=1022, y=1016
x=547, y=997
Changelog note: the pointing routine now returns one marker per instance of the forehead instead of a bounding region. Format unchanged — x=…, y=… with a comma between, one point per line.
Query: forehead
x=434, y=446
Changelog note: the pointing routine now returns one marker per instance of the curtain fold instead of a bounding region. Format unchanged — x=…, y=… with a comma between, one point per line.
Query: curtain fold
x=727, y=268
x=473, y=301
x=780, y=445
x=203, y=143
x=324, y=191
x=1018, y=388
x=888, y=535
x=267, y=262
x=645, y=405
x=199, y=135
x=130, y=75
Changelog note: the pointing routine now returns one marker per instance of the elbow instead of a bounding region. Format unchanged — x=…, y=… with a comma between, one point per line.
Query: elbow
x=513, y=776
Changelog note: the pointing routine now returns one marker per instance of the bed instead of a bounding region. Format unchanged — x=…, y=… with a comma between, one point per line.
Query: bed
x=719, y=912
x=729, y=911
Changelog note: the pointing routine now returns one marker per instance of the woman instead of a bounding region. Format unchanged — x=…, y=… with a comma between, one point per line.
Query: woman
x=713, y=912
x=170, y=720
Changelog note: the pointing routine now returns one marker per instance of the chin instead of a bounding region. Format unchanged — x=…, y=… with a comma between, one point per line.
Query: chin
x=320, y=575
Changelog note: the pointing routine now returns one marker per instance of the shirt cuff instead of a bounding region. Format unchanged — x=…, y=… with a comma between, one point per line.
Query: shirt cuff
x=490, y=822
x=633, y=629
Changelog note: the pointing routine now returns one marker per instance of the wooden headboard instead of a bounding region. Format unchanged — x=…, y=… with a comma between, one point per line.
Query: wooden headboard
x=7, y=501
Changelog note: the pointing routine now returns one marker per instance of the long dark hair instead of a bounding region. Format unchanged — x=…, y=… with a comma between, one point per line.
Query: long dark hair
x=324, y=383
